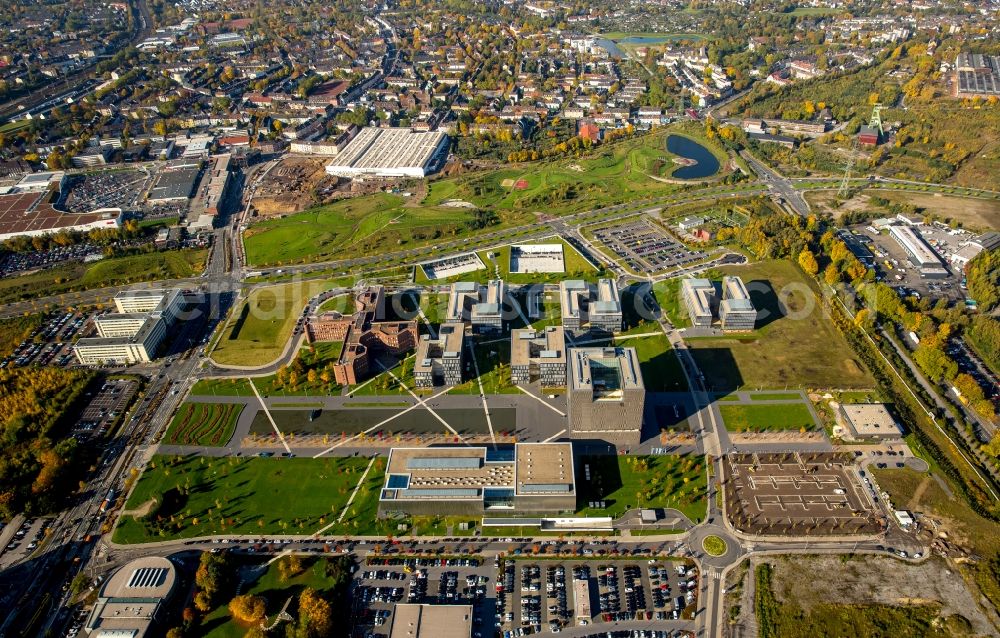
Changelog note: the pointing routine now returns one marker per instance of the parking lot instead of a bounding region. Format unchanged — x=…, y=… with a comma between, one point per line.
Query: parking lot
x=111, y=189
x=385, y=581
x=21, y=540
x=893, y=266
x=109, y=403
x=553, y=596
x=645, y=247
x=48, y=345
x=814, y=493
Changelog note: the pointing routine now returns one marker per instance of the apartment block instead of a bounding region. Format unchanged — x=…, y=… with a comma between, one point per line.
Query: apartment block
x=538, y=356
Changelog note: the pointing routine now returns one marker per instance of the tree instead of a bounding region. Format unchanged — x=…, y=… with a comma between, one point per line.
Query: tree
x=935, y=363
x=248, y=608
x=808, y=263
x=315, y=614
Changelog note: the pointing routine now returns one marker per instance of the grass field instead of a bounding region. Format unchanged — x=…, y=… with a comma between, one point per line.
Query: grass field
x=625, y=482
x=111, y=271
x=200, y=496
x=668, y=296
x=209, y=424
x=661, y=370
x=795, y=343
x=613, y=174
x=218, y=623
x=317, y=356
x=260, y=328
x=767, y=417
x=577, y=267
x=714, y=546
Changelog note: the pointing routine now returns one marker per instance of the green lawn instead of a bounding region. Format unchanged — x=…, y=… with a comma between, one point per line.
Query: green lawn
x=795, y=343
x=668, y=296
x=614, y=174
x=201, y=496
x=259, y=328
x=661, y=370
x=494, y=369
x=626, y=482
x=112, y=271
x=775, y=396
x=318, y=356
x=208, y=424
x=767, y=417
x=218, y=623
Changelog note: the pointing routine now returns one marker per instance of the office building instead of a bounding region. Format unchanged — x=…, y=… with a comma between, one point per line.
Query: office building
x=597, y=308
x=439, y=360
x=531, y=477
x=479, y=306
x=736, y=311
x=365, y=334
x=538, y=356
x=606, y=395
x=133, y=600
x=699, y=297
x=135, y=332
x=431, y=621
x=868, y=421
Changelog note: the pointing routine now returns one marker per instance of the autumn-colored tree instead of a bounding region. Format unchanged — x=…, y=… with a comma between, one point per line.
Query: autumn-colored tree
x=248, y=608
x=315, y=614
x=807, y=260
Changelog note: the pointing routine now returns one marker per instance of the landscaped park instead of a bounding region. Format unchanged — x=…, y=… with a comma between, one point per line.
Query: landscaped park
x=203, y=424
x=618, y=173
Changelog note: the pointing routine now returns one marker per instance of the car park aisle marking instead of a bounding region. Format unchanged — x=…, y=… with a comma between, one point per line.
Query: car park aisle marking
x=269, y=417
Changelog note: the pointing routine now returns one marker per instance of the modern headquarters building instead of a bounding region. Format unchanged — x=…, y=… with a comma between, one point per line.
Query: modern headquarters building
x=135, y=331
x=699, y=297
x=439, y=360
x=597, y=308
x=531, y=477
x=736, y=311
x=479, y=306
x=869, y=421
x=538, y=356
x=365, y=334
x=606, y=395
x=390, y=152
x=411, y=620
x=133, y=600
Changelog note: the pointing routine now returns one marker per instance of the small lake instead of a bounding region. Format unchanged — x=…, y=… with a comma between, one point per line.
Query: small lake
x=706, y=166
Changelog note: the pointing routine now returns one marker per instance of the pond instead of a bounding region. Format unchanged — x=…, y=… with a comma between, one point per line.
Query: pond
x=705, y=164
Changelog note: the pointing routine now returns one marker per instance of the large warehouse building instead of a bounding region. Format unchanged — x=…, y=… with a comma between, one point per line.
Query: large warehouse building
x=533, y=477
x=390, y=152
x=917, y=249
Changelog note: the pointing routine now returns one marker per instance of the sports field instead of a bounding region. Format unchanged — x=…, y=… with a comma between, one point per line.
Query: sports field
x=617, y=173
x=625, y=482
x=795, y=343
x=208, y=424
x=184, y=497
x=766, y=417
x=260, y=328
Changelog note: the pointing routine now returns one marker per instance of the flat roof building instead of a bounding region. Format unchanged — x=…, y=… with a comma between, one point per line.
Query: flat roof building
x=598, y=308
x=431, y=621
x=439, y=360
x=133, y=599
x=173, y=185
x=581, y=599
x=699, y=297
x=530, y=477
x=479, y=306
x=736, y=311
x=135, y=332
x=390, y=152
x=868, y=421
x=538, y=356
x=917, y=249
x=606, y=394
